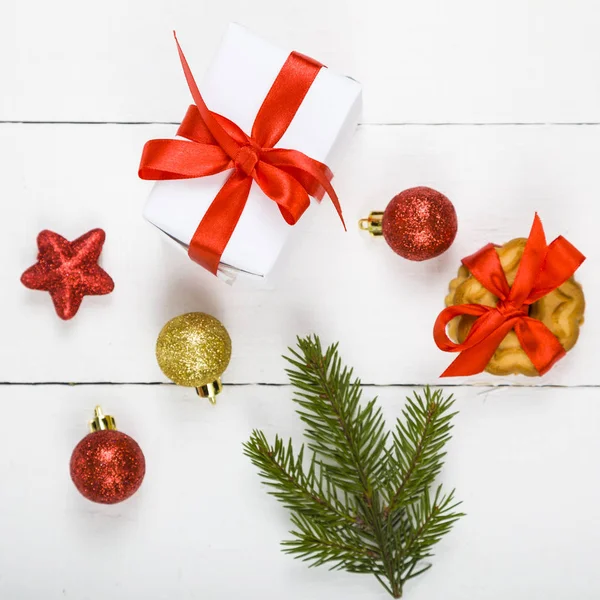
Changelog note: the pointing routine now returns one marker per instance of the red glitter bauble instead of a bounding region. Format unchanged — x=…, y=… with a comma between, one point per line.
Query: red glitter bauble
x=107, y=466
x=69, y=270
x=419, y=223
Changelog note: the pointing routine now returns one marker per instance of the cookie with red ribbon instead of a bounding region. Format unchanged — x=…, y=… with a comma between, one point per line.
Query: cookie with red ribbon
x=513, y=309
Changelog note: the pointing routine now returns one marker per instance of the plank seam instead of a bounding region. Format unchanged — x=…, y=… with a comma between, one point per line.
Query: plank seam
x=390, y=124
x=250, y=384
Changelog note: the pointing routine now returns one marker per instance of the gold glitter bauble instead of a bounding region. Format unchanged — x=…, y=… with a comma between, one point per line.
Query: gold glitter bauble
x=193, y=349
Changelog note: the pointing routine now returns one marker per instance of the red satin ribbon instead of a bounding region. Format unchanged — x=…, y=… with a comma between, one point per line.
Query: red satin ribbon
x=216, y=144
x=542, y=269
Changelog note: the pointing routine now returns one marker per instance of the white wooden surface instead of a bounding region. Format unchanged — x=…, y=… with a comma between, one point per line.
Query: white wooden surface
x=201, y=526
x=523, y=458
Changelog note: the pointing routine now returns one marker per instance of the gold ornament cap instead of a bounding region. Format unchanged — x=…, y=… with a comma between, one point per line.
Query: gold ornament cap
x=101, y=422
x=373, y=223
x=210, y=390
x=194, y=350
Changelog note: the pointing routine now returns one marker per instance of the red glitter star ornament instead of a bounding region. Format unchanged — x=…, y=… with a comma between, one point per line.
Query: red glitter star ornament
x=69, y=270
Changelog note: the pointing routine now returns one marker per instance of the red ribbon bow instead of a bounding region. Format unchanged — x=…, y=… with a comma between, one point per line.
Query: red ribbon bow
x=542, y=269
x=216, y=144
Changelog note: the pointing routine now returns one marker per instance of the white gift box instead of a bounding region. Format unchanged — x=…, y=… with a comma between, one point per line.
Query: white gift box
x=235, y=86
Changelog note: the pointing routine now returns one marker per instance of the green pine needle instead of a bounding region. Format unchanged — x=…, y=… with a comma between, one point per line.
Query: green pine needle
x=361, y=499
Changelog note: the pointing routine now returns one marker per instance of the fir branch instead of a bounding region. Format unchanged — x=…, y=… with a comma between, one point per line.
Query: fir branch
x=305, y=493
x=349, y=437
x=356, y=504
x=418, y=443
x=318, y=544
x=431, y=520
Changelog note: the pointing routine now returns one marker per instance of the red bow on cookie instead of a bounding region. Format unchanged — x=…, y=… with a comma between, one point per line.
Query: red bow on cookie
x=542, y=269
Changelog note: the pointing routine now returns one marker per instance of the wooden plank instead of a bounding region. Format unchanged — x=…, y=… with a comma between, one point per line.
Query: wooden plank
x=155, y=282
x=427, y=61
x=202, y=525
x=346, y=287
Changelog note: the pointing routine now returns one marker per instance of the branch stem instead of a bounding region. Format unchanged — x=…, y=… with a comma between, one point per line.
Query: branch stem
x=371, y=516
x=306, y=492
x=414, y=462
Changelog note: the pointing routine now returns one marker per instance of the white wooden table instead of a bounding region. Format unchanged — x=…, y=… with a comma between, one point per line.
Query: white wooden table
x=496, y=103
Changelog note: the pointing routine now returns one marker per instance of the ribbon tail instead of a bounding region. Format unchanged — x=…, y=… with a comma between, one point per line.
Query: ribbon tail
x=219, y=222
x=332, y=196
x=530, y=264
x=223, y=138
x=319, y=172
x=562, y=260
x=539, y=343
x=288, y=193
